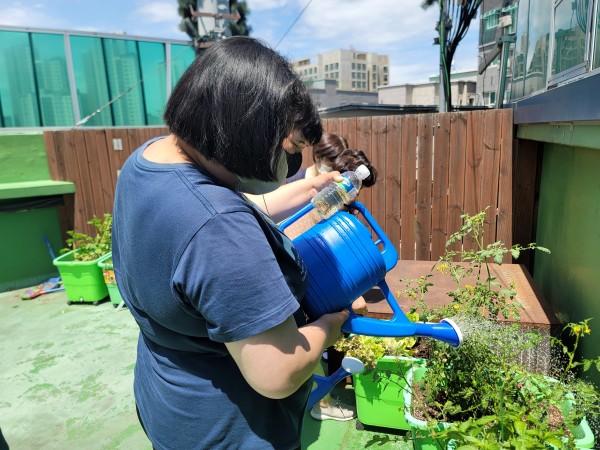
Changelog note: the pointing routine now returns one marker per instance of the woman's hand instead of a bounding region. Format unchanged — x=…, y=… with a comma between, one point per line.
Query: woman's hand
x=359, y=306
x=322, y=180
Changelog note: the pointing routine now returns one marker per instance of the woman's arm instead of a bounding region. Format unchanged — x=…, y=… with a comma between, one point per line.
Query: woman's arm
x=289, y=198
x=278, y=361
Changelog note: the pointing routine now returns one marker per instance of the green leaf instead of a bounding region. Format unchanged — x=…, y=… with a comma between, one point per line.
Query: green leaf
x=515, y=253
x=520, y=427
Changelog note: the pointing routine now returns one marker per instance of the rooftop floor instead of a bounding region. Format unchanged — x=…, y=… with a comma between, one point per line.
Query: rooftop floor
x=67, y=381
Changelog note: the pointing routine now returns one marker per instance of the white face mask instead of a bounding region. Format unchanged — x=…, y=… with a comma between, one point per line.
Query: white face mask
x=324, y=168
x=259, y=187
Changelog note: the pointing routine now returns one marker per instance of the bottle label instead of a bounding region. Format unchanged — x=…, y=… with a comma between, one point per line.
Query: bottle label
x=346, y=185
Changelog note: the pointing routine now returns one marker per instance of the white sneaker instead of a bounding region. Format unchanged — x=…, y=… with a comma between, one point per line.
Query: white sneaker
x=337, y=410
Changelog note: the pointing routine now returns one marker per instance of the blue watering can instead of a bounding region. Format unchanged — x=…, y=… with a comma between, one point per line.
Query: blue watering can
x=349, y=366
x=344, y=262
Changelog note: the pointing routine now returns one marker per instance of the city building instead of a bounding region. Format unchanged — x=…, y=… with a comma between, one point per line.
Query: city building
x=326, y=94
x=59, y=78
x=352, y=70
x=462, y=85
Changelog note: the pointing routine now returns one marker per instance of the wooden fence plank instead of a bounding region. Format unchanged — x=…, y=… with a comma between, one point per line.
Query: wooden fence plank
x=456, y=170
x=364, y=129
x=393, y=169
x=472, y=204
x=408, y=187
x=349, y=130
x=439, y=209
x=333, y=126
x=86, y=180
x=95, y=139
x=504, y=220
x=81, y=210
x=51, y=154
x=490, y=164
x=423, y=199
x=378, y=157
x=113, y=155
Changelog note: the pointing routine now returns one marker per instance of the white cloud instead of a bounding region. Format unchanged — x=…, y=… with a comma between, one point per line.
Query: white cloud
x=18, y=14
x=258, y=5
x=156, y=12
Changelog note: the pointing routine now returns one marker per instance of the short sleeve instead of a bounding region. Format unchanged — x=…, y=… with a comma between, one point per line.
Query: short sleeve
x=229, y=273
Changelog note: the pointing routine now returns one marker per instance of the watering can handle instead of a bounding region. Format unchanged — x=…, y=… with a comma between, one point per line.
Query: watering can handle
x=397, y=326
x=389, y=253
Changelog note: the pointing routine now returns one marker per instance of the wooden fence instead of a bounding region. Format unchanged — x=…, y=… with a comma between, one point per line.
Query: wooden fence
x=431, y=169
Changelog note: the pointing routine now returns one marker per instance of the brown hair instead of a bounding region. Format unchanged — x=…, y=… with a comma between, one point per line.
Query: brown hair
x=329, y=147
x=350, y=160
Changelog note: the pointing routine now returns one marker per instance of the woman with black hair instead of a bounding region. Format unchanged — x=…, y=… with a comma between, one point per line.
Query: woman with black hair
x=225, y=357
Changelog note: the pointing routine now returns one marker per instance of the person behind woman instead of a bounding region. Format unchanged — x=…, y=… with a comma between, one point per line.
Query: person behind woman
x=324, y=154
x=225, y=357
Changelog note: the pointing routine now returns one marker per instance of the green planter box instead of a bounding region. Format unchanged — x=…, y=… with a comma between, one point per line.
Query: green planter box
x=105, y=263
x=584, y=437
x=380, y=393
x=83, y=280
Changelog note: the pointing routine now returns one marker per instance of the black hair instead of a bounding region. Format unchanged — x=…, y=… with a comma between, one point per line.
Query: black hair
x=236, y=104
x=350, y=160
x=310, y=124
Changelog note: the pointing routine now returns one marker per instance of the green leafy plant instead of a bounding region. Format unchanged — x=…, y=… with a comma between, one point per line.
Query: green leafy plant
x=491, y=399
x=87, y=247
x=370, y=349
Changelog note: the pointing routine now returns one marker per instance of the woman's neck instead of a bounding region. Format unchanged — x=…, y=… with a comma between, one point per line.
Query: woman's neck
x=311, y=171
x=215, y=170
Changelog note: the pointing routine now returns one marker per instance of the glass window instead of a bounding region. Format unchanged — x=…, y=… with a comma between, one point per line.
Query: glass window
x=18, y=97
x=596, y=60
x=537, y=45
x=52, y=77
x=570, y=25
x=181, y=58
x=154, y=73
x=124, y=82
x=520, y=52
x=353, y=66
x=512, y=11
x=337, y=65
x=489, y=27
x=90, y=78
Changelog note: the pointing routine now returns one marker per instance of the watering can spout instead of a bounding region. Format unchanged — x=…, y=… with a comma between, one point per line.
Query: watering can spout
x=446, y=331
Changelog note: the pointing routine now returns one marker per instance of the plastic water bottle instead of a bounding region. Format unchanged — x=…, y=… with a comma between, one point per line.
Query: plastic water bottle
x=340, y=193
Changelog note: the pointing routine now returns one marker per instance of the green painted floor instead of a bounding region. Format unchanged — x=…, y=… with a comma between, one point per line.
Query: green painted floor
x=66, y=376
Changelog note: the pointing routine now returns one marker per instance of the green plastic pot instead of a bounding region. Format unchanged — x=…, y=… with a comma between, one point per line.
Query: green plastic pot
x=108, y=273
x=83, y=280
x=380, y=393
x=584, y=437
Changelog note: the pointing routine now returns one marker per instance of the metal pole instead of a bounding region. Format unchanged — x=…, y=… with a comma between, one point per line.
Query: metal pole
x=442, y=85
x=506, y=40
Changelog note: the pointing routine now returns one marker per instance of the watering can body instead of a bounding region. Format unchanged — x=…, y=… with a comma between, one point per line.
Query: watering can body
x=344, y=260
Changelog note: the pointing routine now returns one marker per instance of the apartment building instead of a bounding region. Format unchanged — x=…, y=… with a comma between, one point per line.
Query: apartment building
x=352, y=70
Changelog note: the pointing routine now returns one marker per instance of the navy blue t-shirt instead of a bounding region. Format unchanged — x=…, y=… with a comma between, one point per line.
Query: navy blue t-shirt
x=198, y=265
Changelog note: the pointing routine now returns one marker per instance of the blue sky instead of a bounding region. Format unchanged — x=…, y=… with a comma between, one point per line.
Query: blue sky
x=398, y=28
